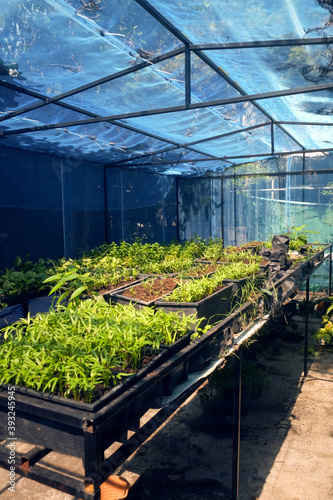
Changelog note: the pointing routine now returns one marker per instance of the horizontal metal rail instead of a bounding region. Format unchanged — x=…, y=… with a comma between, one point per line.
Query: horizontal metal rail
x=172, y=109
x=288, y=42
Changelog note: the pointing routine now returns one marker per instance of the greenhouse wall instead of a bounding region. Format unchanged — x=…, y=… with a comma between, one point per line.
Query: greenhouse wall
x=200, y=204
x=53, y=207
x=256, y=207
x=140, y=205
x=49, y=207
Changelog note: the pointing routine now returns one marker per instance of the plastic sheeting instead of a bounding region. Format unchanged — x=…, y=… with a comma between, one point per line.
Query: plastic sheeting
x=257, y=207
x=85, y=54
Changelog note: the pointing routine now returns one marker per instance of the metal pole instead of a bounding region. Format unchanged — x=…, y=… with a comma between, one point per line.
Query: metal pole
x=236, y=425
x=187, y=77
x=306, y=342
x=222, y=215
x=177, y=208
x=235, y=209
x=122, y=205
x=106, y=232
x=330, y=277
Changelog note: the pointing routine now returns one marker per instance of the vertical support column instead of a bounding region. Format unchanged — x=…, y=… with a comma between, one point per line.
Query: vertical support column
x=122, y=205
x=303, y=178
x=235, y=209
x=93, y=457
x=236, y=425
x=106, y=229
x=222, y=215
x=306, y=340
x=67, y=208
x=177, y=206
x=212, y=207
x=272, y=138
x=187, y=76
x=163, y=212
x=330, y=276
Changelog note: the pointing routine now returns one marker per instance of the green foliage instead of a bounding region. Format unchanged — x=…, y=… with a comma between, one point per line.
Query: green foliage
x=193, y=290
x=71, y=350
x=24, y=276
x=298, y=237
x=325, y=333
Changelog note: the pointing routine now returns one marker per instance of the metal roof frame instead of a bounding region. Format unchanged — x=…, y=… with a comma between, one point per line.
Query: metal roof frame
x=186, y=49
x=171, y=109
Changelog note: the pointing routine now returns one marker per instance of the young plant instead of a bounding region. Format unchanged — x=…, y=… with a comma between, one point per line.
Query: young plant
x=24, y=276
x=72, y=350
x=325, y=333
x=298, y=237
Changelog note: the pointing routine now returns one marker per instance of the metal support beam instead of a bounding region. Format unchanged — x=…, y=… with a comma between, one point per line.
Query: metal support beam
x=222, y=204
x=310, y=124
x=187, y=77
x=291, y=42
x=181, y=37
x=235, y=207
x=188, y=145
x=227, y=159
x=306, y=340
x=172, y=109
x=106, y=208
x=279, y=174
x=95, y=83
x=163, y=20
x=330, y=271
x=236, y=424
x=177, y=207
x=272, y=138
x=76, y=109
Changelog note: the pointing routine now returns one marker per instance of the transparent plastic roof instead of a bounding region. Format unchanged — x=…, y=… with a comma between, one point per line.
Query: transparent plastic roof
x=167, y=86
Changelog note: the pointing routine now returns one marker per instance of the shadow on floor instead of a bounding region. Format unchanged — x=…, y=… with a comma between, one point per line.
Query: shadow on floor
x=191, y=456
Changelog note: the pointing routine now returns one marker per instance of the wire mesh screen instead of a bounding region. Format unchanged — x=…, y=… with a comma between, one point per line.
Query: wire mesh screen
x=140, y=205
x=49, y=207
x=199, y=202
x=30, y=207
x=290, y=193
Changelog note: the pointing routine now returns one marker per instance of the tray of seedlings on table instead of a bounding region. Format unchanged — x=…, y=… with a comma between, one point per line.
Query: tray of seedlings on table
x=210, y=297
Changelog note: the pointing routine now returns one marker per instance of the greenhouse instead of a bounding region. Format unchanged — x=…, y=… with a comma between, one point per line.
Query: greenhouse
x=182, y=151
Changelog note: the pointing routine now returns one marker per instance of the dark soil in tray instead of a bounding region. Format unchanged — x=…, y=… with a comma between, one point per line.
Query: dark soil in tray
x=151, y=290
x=110, y=288
x=201, y=271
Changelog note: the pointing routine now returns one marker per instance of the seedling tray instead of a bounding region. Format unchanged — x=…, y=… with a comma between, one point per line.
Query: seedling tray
x=119, y=298
x=118, y=289
x=211, y=309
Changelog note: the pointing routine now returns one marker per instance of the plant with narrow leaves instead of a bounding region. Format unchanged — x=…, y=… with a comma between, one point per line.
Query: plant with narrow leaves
x=71, y=350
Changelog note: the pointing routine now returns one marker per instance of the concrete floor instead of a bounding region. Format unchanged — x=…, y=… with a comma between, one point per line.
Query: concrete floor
x=286, y=439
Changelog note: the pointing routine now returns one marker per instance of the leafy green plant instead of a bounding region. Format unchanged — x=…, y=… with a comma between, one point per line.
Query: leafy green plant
x=193, y=290
x=237, y=270
x=325, y=333
x=70, y=283
x=76, y=278
x=24, y=276
x=72, y=350
x=298, y=237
